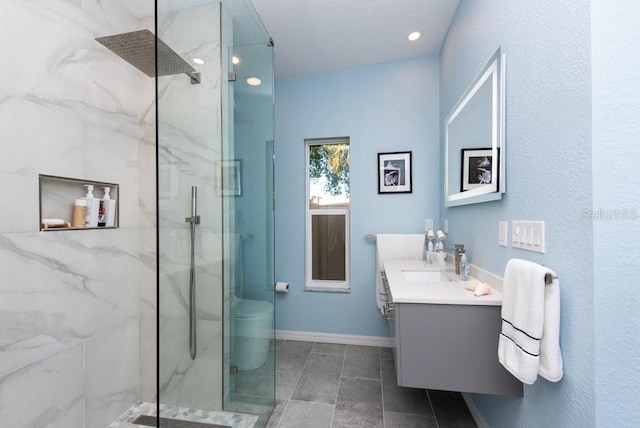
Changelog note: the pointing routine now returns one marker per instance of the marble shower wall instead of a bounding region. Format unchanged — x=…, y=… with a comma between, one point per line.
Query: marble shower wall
x=70, y=301
x=189, y=150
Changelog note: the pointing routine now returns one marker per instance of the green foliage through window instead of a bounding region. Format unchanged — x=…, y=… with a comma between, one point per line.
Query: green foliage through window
x=331, y=162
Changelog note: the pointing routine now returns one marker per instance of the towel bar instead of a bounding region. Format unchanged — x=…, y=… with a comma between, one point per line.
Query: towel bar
x=548, y=278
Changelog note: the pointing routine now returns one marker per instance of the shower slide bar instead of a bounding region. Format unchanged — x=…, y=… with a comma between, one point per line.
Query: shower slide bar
x=193, y=220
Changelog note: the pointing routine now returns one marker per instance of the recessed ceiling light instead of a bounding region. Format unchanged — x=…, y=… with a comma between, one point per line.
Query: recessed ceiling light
x=414, y=36
x=198, y=61
x=254, y=81
x=235, y=60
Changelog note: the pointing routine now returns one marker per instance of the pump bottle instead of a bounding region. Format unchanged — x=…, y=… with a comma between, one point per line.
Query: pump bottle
x=93, y=205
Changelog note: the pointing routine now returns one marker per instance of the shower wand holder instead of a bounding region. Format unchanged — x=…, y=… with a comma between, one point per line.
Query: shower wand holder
x=192, y=220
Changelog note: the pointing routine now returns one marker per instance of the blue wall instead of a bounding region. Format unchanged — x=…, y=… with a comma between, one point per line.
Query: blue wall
x=549, y=177
x=616, y=126
x=382, y=108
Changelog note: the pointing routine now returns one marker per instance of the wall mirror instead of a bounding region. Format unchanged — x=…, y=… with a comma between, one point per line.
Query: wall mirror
x=474, y=155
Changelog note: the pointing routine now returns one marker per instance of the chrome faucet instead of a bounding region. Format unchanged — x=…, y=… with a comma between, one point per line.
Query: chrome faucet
x=459, y=248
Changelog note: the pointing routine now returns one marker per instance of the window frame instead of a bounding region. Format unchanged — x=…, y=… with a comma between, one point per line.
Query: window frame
x=310, y=283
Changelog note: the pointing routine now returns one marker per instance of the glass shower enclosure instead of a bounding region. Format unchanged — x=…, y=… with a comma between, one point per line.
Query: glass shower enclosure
x=215, y=212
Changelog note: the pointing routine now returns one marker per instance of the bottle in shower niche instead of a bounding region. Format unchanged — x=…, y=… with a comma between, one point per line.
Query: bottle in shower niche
x=464, y=267
x=79, y=213
x=107, y=209
x=93, y=205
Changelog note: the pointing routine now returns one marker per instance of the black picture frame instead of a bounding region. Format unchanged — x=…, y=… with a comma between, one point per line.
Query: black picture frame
x=475, y=168
x=395, y=173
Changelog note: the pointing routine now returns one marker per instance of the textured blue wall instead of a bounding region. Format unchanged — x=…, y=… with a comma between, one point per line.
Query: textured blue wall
x=549, y=178
x=382, y=108
x=616, y=153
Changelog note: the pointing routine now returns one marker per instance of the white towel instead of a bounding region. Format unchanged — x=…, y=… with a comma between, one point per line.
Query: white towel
x=394, y=247
x=529, y=342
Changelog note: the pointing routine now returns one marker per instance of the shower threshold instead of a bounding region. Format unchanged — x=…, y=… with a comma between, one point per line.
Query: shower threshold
x=152, y=421
x=144, y=414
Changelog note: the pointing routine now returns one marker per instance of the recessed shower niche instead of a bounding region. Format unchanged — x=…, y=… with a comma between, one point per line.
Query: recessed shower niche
x=58, y=196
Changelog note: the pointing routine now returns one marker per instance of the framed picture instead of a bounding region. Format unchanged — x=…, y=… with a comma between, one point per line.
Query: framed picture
x=230, y=177
x=394, y=172
x=476, y=168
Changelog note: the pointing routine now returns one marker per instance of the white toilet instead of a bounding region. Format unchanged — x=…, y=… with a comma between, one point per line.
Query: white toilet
x=253, y=329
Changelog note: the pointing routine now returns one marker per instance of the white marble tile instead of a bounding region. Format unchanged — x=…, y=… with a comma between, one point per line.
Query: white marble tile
x=111, y=373
x=147, y=183
x=37, y=140
x=47, y=393
x=148, y=269
x=61, y=287
x=148, y=359
x=113, y=157
x=185, y=382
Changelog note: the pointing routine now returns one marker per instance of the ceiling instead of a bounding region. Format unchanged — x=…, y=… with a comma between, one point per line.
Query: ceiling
x=318, y=36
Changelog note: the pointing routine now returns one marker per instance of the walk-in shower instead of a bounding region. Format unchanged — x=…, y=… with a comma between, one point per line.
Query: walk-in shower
x=158, y=313
x=214, y=137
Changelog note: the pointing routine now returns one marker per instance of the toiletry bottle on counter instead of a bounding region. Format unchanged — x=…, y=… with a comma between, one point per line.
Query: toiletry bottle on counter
x=464, y=267
x=93, y=205
x=79, y=213
x=106, y=210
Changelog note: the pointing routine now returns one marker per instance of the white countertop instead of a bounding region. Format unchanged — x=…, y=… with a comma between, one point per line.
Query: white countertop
x=441, y=292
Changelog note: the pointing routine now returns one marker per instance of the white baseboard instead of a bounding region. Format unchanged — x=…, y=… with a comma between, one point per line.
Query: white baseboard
x=345, y=339
x=475, y=412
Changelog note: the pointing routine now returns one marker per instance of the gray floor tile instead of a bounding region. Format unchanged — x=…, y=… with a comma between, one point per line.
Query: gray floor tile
x=386, y=353
x=309, y=415
x=291, y=356
x=388, y=366
x=255, y=382
x=359, y=404
x=323, y=365
x=319, y=389
x=403, y=420
x=274, y=420
x=403, y=400
x=451, y=410
x=286, y=383
x=309, y=376
x=294, y=346
x=329, y=348
x=362, y=362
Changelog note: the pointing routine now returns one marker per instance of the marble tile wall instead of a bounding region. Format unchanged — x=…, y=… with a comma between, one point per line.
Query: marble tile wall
x=70, y=301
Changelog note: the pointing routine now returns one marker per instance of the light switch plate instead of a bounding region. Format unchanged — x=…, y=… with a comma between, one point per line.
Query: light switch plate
x=502, y=233
x=528, y=235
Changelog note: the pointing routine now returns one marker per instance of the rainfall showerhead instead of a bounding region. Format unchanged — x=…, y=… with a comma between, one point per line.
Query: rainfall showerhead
x=138, y=48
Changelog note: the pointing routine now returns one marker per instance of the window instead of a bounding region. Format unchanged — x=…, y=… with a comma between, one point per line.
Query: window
x=327, y=221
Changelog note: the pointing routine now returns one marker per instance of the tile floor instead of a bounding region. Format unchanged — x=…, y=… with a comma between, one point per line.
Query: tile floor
x=329, y=385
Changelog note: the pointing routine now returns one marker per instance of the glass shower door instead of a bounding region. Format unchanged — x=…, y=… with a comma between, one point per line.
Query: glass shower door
x=189, y=145
x=249, y=227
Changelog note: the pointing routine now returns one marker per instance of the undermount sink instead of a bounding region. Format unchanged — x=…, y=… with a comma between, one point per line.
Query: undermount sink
x=425, y=276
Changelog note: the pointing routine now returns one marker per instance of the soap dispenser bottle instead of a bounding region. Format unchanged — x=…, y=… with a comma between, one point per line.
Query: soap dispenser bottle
x=107, y=210
x=464, y=267
x=93, y=205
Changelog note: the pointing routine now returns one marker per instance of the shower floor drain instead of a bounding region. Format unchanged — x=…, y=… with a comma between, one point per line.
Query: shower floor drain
x=152, y=421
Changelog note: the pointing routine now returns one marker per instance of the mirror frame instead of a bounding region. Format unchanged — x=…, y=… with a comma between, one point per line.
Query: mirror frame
x=494, y=70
